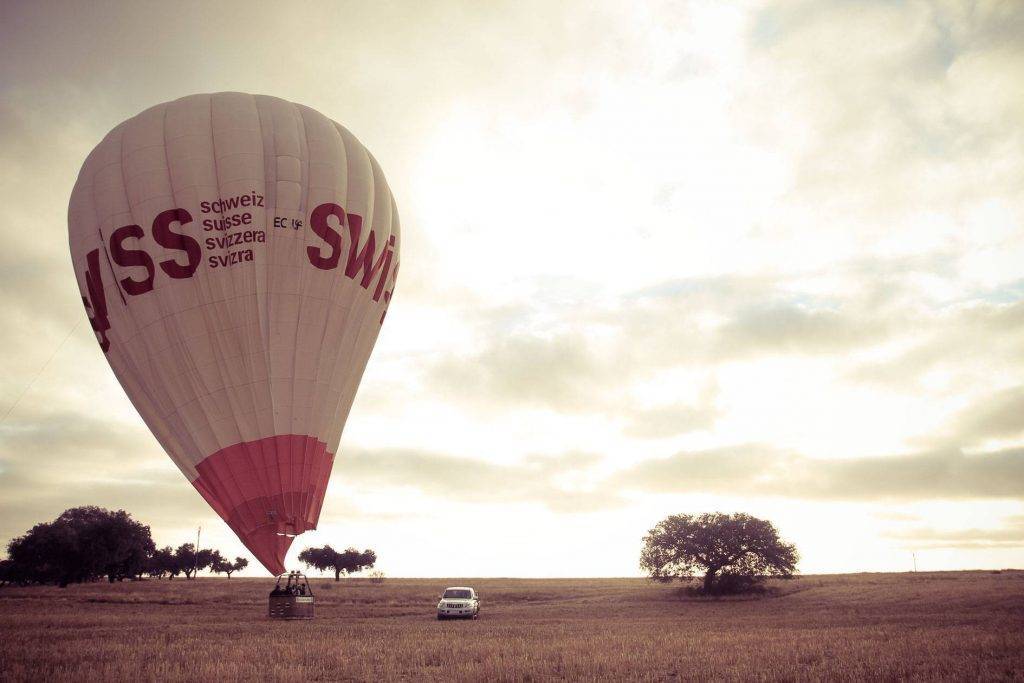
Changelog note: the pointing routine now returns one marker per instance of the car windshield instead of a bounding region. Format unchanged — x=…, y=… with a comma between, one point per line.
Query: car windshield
x=457, y=593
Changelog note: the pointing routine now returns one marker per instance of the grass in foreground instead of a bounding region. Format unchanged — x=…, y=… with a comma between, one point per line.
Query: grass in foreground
x=956, y=625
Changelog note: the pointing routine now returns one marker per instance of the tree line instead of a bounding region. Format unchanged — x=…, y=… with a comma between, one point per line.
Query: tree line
x=91, y=543
x=732, y=553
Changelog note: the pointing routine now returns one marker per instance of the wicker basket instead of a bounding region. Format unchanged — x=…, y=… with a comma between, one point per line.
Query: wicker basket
x=293, y=600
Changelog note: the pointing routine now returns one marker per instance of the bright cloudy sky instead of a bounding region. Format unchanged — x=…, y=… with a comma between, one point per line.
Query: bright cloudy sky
x=657, y=258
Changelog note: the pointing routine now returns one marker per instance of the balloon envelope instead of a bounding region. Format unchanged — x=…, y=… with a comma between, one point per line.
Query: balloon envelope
x=236, y=255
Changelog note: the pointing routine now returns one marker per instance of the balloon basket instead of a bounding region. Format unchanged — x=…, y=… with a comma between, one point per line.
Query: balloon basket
x=293, y=599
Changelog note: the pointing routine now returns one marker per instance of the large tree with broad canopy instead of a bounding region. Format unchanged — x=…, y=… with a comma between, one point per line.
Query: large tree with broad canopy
x=732, y=552
x=82, y=544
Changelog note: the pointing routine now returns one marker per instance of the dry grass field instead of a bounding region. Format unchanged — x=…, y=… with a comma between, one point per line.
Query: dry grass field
x=957, y=625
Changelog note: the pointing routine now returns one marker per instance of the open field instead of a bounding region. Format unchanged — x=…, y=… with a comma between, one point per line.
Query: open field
x=963, y=625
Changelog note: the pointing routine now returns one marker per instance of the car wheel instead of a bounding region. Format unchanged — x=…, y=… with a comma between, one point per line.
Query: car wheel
x=440, y=618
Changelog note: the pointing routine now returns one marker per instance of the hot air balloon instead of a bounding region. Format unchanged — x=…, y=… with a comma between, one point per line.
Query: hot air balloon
x=236, y=255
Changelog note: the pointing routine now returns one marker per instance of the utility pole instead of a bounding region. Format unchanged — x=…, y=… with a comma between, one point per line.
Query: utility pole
x=914, y=555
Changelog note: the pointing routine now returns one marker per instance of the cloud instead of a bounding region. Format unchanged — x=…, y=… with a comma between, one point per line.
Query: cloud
x=1009, y=535
x=670, y=420
x=559, y=372
x=50, y=461
x=478, y=481
x=561, y=357
x=736, y=317
x=998, y=415
x=64, y=438
x=755, y=469
x=770, y=327
x=890, y=91
x=947, y=340
x=746, y=470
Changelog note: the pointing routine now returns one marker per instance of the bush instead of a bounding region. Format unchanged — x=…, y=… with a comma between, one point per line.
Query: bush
x=734, y=584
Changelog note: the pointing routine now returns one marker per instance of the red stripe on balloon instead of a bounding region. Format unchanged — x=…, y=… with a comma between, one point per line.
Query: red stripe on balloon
x=268, y=491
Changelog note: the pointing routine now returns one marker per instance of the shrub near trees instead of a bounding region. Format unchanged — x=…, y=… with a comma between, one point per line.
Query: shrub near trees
x=734, y=553
x=348, y=561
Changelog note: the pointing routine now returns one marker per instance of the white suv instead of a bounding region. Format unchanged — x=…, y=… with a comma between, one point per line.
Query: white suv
x=458, y=601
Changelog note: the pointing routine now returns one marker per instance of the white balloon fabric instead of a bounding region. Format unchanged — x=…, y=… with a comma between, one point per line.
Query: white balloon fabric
x=236, y=255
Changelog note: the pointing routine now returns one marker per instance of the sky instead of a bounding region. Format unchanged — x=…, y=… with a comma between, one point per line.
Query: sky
x=658, y=258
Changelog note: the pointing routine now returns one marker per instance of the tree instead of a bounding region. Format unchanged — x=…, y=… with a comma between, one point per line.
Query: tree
x=119, y=546
x=349, y=561
x=8, y=573
x=738, y=550
x=221, y=566
x=239, y=564
x=163, y=562
x=82, y=544
x=47, y=553
x=190, y=562
x=217, y=562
